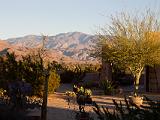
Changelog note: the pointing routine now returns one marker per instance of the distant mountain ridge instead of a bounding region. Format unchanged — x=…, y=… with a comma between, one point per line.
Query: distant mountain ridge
x=75, y=45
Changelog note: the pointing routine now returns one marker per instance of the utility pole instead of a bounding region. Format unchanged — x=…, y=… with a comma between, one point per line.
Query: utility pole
x=45, y=92
x=45, y=96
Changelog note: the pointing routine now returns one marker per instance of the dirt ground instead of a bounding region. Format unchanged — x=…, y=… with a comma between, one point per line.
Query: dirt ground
x=58, y=108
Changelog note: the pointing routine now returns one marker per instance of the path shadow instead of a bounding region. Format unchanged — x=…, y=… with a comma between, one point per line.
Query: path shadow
x=54, y=113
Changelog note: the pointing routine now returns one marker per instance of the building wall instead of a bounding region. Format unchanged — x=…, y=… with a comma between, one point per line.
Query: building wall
x=154, y=79
x=106, y=72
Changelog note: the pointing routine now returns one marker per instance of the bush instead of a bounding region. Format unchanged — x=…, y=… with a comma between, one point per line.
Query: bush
x=107, y=86
x=53, y=81
x=83, y=97
x=75, y=74
x=30, y=70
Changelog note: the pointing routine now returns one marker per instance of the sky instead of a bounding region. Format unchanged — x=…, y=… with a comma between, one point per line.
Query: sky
x=50, y=17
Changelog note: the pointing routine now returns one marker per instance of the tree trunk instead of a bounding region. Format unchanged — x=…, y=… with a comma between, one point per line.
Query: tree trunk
x=136, y=82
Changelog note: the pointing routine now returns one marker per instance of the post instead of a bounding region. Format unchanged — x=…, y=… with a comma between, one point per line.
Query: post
x=45, y=96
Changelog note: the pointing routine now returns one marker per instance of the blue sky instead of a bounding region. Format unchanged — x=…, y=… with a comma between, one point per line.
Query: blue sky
x=23, y=17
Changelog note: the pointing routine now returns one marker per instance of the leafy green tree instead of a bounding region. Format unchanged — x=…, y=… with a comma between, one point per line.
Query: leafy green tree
x=11, y=67
x=132, y=42
x=33, y=73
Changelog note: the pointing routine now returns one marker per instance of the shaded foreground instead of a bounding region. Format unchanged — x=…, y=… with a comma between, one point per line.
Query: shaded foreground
x=59, y=109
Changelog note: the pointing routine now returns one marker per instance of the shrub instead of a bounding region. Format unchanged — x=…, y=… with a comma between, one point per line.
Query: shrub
x=53, y=81
x=75, y=74
x=2, y=92
x=30, y=70
x=81, y=90
x=107, y=86
x=83, y=97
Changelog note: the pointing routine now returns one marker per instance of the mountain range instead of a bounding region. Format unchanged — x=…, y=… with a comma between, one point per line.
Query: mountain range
x=71, y=46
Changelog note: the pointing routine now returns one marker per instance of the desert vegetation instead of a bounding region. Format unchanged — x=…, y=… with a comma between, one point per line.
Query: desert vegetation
x=28, y=71
x=25, y=79
x=127, y=45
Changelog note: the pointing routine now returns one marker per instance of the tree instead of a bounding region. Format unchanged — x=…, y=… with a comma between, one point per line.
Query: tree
x=53, y=81
x=132, y=42
x=32, y=72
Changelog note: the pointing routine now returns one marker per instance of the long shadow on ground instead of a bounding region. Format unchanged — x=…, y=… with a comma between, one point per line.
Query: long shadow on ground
x=64, y=114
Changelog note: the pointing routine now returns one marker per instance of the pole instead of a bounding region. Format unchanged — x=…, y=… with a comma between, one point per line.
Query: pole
x=45, y=96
